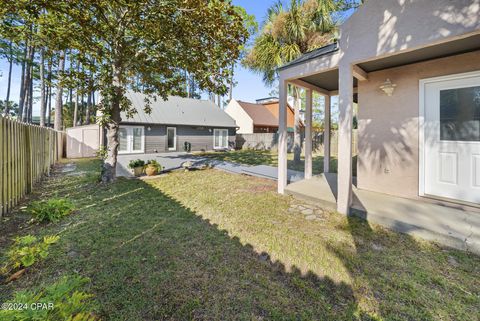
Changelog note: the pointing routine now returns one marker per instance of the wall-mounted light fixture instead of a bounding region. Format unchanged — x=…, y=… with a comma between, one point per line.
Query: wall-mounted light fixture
x=149, y=128
x=388, y=87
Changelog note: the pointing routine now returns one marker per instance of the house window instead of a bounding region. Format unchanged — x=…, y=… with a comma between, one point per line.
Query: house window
x=220, y=138
x=132, y=139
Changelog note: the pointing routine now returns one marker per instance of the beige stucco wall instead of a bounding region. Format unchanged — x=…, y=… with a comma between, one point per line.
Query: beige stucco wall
x=388, y=144
x=242, y=119
x=381, y=28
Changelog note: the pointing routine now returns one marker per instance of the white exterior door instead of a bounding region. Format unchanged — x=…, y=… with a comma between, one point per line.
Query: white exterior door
x=131, y=139
x=220, y=138
x=172, y=138
x=451, y=137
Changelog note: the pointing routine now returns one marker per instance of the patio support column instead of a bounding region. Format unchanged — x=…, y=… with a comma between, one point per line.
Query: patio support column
x=345, y=124
x=282, y=137
x=326, y=135
x=308, y=134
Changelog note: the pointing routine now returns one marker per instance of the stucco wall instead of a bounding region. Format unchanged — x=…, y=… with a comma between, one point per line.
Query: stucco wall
x=242, y=119
x=388, y=126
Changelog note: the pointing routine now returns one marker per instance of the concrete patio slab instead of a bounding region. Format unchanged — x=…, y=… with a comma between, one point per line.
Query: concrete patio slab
x=169, y=161
x=453, y=226
x=172, y=161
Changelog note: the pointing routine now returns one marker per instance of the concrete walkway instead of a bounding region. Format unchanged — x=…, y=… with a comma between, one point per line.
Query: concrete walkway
x=453, y=226
x=172, y=161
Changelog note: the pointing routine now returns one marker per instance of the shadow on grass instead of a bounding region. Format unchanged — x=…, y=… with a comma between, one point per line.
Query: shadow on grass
x=265, y=157
x=151, y=258
x=409, y=279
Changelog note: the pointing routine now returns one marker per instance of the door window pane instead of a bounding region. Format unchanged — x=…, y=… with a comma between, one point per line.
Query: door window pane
x=123, y=137
x=137, y=138
x=217, y=138
x=460, y=114
x=224, y=138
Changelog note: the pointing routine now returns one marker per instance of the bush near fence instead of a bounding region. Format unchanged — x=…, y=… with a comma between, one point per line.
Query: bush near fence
x=26, y=154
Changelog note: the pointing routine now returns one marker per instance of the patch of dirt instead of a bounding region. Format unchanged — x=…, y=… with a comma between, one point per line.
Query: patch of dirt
x=258, y=189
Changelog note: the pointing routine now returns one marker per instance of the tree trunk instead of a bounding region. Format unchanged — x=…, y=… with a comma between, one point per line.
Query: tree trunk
x=30, y=96
x=28, y=90
x=297, y=138
x=230, y=91
x=49, y=96
x=89, y=105
x=57, y=125
x=110, y=162
x=23, y=108
x=82, y=108
x=21, y=99
x=26, y=94
x=9, y=81
x=42, y=89
x=75, y=109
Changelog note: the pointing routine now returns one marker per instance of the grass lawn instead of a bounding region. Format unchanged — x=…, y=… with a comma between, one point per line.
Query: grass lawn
x=260, y=157
x=208, y=245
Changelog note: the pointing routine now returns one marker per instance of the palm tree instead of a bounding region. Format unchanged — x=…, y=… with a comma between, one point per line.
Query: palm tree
x=288, y=33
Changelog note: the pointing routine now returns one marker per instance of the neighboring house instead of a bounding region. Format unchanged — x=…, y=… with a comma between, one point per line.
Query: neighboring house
x=261, y=117
x=174, y=122
x=416, y=68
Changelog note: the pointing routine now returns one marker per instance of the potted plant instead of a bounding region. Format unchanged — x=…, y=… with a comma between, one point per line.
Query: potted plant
x=152, y=167
x=136, y=165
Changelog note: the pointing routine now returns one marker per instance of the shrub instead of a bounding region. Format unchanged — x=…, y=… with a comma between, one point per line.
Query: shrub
x=155, y=164
x=59, y=301
x=27, y=250
x=51, y=210
x=136, y=163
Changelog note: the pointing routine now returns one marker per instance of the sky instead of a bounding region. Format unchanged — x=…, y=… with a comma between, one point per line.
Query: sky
x=249, y=85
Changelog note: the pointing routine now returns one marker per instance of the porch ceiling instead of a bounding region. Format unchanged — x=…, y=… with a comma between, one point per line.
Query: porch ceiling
x=450, y=48
x=329, y=80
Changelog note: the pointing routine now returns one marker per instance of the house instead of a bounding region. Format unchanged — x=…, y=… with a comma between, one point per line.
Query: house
x=259, y=117
x=415, y=66
x=173, y=123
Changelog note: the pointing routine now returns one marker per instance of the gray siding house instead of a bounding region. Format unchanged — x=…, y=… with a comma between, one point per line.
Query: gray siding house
x=174, y=122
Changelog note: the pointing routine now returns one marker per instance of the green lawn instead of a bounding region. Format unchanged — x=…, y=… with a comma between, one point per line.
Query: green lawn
x=259, y=157
x=208, y=245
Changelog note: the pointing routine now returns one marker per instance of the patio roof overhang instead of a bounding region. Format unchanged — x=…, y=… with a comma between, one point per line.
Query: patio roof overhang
x=321, y=70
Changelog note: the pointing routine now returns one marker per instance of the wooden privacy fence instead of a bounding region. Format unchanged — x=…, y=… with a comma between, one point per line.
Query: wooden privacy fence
x=26, y=154
x=269, y=141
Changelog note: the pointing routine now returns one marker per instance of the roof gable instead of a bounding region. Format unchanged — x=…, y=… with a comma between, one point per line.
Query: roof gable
x=177, y=111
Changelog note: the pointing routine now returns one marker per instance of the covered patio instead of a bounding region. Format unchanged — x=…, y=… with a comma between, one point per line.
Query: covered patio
x=383, y=62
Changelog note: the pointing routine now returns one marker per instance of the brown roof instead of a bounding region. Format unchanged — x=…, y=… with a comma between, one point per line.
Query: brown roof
x=267, y=114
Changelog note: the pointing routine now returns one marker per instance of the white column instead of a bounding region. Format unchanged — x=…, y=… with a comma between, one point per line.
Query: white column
x=282, y=137
x=326, y=135
x=345, y=124
x=308, y=134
